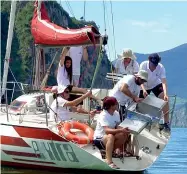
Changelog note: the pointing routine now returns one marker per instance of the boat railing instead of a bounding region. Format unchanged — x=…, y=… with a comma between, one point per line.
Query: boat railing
x=151, y=111
x=172, y=103
x=38, y=105
x=10, y=90
x=47, y=99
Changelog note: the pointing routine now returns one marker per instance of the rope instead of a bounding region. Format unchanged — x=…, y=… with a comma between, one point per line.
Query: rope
x=36, y=72
x=86, y=70
x=98, y=65
x=104, y=16
x=16, y=80
x=108, y=26
x=173, y=108
x=70, y=9
x=48, y=71
x=99, y=57
x=84, y=9
x=32, y=63
x=111, y=67
x=113, y=27
x=113, y=32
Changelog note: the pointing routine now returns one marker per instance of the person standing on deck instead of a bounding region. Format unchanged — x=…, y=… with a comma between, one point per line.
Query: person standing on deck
x=127, y=64
x=77, y=53
x=156, y=83
x=65, y=73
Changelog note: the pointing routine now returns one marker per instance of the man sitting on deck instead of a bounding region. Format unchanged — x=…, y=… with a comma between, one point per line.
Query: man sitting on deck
x=62, y=107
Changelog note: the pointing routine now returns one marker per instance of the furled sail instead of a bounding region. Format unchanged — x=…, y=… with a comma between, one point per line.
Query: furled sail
x=48, y=33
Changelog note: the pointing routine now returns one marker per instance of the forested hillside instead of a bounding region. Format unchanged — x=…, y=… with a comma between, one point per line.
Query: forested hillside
x=23, y=48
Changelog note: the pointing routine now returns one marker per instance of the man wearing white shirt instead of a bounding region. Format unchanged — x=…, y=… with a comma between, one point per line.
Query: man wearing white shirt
x=77, y=53
x=127, y=90
x=156, y=82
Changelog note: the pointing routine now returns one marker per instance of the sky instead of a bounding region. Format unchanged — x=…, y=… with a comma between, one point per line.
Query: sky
x=143, y=26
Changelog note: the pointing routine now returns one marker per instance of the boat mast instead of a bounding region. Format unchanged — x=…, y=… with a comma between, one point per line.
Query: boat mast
x=39, y=68
x=8, y=46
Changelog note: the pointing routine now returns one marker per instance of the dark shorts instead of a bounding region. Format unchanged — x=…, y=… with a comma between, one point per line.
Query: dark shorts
x=99, y=143
x=157, y=90
x=122, y=112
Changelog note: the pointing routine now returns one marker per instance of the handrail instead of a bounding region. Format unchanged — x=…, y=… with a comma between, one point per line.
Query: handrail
x=46, y=107
x=173, y=108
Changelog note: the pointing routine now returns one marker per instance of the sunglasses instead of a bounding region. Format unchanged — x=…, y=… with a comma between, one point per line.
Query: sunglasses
x=142, y=80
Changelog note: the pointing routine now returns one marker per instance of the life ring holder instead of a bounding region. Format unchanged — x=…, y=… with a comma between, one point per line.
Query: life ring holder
x=64, y=130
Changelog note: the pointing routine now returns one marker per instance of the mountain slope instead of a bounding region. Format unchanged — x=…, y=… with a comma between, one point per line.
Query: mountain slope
x=175, y=62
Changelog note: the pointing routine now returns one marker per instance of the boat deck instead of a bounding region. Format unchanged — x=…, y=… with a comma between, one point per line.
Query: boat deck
x=37, y=119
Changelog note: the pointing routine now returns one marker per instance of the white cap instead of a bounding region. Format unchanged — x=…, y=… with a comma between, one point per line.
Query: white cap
x=61, y=89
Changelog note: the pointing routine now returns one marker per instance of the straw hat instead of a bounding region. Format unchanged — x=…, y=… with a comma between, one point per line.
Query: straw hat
x=143, y=75
x=127, y=53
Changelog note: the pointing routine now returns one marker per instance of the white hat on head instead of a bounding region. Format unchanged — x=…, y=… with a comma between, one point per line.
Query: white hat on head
x=127, y=53
x=61, y=89
x=142, y=74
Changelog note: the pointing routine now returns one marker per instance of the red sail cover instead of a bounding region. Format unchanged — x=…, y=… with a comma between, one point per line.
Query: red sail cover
x=47, y=33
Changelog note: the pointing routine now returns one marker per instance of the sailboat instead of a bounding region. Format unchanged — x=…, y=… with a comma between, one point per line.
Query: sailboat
x=29, y=139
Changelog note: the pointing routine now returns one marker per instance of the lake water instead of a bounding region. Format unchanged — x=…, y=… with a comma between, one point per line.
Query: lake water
x=172, y=160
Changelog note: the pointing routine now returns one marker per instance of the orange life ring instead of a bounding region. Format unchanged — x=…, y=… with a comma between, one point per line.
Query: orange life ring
x=64, y=130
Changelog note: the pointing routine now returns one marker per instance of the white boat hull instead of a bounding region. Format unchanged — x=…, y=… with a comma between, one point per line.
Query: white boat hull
x=27, y=141
x=42, y=148
x=34, y=147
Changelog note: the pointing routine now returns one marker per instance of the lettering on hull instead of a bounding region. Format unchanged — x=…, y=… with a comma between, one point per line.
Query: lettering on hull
x=55, y=151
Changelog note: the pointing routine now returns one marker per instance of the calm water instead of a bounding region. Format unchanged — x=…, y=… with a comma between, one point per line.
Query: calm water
x=172, y=160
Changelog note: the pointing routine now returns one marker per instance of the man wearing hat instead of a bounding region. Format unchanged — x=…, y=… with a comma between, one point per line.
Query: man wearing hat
x=126, y=64
x=156, y=82
x=127, y=90
x=62, y=107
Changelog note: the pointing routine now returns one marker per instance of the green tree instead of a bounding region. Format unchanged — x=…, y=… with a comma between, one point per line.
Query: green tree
x=25, y=40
